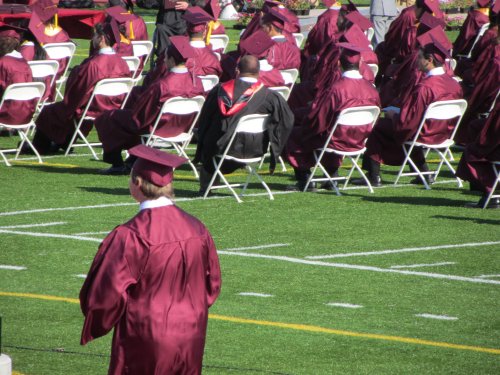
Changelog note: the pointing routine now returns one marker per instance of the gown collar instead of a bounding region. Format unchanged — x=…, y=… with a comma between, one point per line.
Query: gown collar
x=160, y=202
x=197, y=44
x=354, y=74
x=106, y=51
x=248, y=79
x=435, y=72
x=178, y=70
x=15, y=54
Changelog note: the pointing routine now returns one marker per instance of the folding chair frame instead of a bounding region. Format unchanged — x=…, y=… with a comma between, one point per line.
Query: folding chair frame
x=355, y=116
x=496, y=170
x=221, y=37
x=247, y=124
x=440, y=110
x=290, y=76
x=59, y=51
x=209, y=81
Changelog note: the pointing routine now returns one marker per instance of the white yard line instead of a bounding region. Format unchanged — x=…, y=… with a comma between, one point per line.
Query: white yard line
x=362, y=268
x=81, y=275
x=439, y=317
x=251, y=294
x=487, y=276
x=424, y=265
x=90, y=233
x=404, y=250
x=33, y=225
x=13, y=268
x=51, y=235
x=256, y=247
x=65, y=209
x=346, y=305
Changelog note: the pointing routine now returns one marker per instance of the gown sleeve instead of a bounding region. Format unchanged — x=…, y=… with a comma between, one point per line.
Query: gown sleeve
x=213, y=276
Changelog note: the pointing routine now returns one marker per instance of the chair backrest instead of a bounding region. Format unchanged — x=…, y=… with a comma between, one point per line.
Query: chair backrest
x=133, y=63
x=142, y=49
x=60, y=50
x=23, y=92
x=374, y=69
x=283, y=90
x=209, y=81
x=289, y=76
x=452, y=63
x=299, y=38
x=219, y=41
x=369, y=33
x=44, y=68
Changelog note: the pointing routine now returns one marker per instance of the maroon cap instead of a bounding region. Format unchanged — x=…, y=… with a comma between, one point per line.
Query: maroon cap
x=37, y=28
x=256, y=44
x=358, y=19
x=352, y=52
x=112, y=31
x=269, y=4
x=349, y=7
x=196, y=19
x=438, y=34
x=484, y=3
x=45, y=9
x=7, y=30
x=180, y=47
x=356, y=36
x=428, y=22
x=432, y=6
x=496, y=7
x=275, y=18
x=329, y=3
x=213, y=8
x=154, y=165
x=438, y=51
x=121, y=15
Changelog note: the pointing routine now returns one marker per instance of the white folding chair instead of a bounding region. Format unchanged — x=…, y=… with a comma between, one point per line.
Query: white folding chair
x=219, y=41
x=209, y=81
x=59, y=51
x=290, y=77
x=452, y=63
x=40, y=70
x=22, y=92
x=496, y=169
x=133, y=63
x=250, y=124
x=284, y=91
x=351, y=117
x=480, y=33
x=299, y=38
x=369, y=33
x=441, y=110
x=374, y=69
x=142, y=49
x=110, y=87
x=176, y=106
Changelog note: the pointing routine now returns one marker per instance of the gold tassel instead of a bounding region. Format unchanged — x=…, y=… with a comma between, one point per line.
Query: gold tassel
x=56, y=21
x=131, y=36
x=209, y=32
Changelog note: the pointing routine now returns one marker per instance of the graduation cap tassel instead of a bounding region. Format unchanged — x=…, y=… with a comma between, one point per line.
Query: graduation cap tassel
x=209, y=32
x=131, y=34
x=56, y=21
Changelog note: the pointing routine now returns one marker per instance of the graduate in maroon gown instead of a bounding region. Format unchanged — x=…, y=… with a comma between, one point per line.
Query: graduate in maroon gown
x=351, y=90
x=13, y=69
x=121, y=129
x=475, y=166
x=153, y=279
x=324, y=30
x=134, y=26
x=215, y=27
x=470, y=28
x=55, y=122
x=384, y=144
x=225, y=105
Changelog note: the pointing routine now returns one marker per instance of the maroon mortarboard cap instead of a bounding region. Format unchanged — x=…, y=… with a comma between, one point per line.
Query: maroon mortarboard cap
x=358, y=19
x=438, y=34
x=112, y=31
x=269, y=4
x=356, y=36
x=352, y=52
x=180, y=46
x=275, y=18
x=432, y=6
x=45, y=9
x=328, y=3
x=213, y=8
x=483, y=3
x=256, y=44
x=154, y=165
x=428, y=22
x=496, y=7
x=37, y=28
x=7, y=30
x=197, y=19
x=350, y=7
x=438, y=51
x=121, y=15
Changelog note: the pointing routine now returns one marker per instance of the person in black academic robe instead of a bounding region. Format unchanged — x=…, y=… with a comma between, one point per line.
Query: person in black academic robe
x=225, y=105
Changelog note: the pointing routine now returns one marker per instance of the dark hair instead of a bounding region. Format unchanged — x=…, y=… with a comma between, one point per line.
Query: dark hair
x=40, y=53
x=99, y=32
x=429, y=52
x=152, y=191
x=7, y=45
x=347, y=65
x=249, y=64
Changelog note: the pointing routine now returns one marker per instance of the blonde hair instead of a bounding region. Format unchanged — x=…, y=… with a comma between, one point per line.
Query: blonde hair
x=152, y=191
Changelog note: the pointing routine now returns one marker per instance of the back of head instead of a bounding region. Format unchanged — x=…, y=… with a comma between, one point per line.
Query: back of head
x=249, y=66
x=7, y=45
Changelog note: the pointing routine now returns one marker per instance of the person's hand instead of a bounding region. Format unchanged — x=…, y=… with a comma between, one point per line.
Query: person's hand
x=181, y=5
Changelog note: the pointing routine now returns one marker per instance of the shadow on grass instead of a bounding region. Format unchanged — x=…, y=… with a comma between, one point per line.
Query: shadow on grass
x=474, y=219
x=62, y=169
x=179, y=193
x=418, y=201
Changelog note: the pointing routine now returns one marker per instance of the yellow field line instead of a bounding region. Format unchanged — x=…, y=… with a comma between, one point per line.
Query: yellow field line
x=44, y=164
x=297, y=327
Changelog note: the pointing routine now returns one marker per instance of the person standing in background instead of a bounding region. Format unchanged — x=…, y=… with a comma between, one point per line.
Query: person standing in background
x=382, y=13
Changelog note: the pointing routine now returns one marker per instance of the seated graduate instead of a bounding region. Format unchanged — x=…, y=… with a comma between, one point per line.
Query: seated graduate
x=13, y=69
x=475, y=164
x=215, y=27
x=153, y=279
x=135, y=27
x=476, y=17
x=225, y=105
x=121, y=129
x=384, y=144
x=351, y=90
x=54, y=125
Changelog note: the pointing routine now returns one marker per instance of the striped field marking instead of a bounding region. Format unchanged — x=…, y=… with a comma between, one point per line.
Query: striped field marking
x=13, y=268
x=252, y=294
x=257, y=247
x=45, y=164
x=487, y=276
x=33, y=225
x=51, y=235
x=346, y=305
x=424, y=265
x=438, y=317
x=299, y=327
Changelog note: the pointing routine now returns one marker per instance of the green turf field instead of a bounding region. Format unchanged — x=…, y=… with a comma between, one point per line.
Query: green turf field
x=402, y=281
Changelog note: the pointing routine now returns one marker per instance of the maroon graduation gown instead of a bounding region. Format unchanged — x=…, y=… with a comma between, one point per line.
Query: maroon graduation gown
x=384, y=142
x=15, y=69
x=139, y=28
x=205, y=62
x=314, y=130
x=468, y=32
x=322, y=33
x=56, y=120
x=284, y=54
x=271, y=78
x=124, y=49
x=153, y=280
x=475, y=164
x=121, y=129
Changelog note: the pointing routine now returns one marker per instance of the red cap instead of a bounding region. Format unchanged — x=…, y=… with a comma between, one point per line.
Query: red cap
x=483, y=3
x=154, y=165
x=180, y=47
x=213, y=8
x=257, y=44
x=438, y=34
x=356, y=36
x=329, y=3
x=358, y=19
x=7, y=30
x=45, y=9
x=352, y=52
x=432, y=6
x=496, y=7
x=428, y=22
x=121, y=15
x=196, y=19
x=275, y=18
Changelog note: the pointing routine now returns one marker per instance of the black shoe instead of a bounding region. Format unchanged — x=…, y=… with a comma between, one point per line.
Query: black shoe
x=375, y=181
x=418, y=181
x=300, y=185
x=120, y=170
x=494, y=203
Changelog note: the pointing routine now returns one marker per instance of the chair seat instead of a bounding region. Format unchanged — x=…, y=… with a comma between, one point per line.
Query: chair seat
x=240, y=160
x=444, y=144
x=183, y=137
x=21, y=126
x=343, y=153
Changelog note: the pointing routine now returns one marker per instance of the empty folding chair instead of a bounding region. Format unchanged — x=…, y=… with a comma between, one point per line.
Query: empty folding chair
x=182, y=107
x=209, y=81
x=22, y=92
x=60, y=51
x=290, y=77
x=250, y=124
x=219, y=42
x=110, y=87
x=299, y=38
x=441, y=110
x=349, y=117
